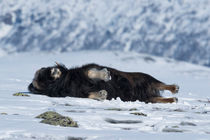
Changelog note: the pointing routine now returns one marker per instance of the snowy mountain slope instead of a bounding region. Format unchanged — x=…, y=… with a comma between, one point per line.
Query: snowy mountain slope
x=188, y=119
x=174, y=28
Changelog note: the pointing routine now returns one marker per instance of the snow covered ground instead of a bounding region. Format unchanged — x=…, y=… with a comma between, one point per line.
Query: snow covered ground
x=187, y=119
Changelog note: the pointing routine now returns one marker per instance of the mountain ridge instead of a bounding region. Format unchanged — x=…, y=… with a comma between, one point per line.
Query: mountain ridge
x=175, y=29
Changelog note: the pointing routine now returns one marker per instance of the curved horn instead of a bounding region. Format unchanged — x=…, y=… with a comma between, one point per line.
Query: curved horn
x=57, y=63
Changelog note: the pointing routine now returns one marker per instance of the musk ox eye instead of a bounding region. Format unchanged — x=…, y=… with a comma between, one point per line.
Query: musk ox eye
x=55, y=73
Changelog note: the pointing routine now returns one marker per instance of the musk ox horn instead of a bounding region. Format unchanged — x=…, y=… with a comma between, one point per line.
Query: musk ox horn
x=57, y=63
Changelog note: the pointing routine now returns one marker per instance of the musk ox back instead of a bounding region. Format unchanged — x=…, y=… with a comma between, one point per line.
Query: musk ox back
x=99, y=82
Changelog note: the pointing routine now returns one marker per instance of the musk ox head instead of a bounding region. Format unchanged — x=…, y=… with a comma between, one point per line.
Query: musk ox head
x=45, y=77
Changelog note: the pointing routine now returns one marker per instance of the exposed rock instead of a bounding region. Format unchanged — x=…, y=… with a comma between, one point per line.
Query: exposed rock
x=203, y=112
x=173, y=130
x=149, y=59
x=76, y=111
x=122, y=121
x=204, y=101
x=21, y=94
x=139, y=114
x=115, y=109
x=121, y=109
x=175, y=126
x=15, y=114
x=67, y=104
x=133, y=109
x=75, y=138
x=187, y=124
x=178, y=110
x=126, y=128
x=3, y=113
x=54, y=118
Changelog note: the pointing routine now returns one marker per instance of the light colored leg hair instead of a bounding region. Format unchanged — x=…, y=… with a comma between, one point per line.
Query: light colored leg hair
x=173, y=88
x=163, y=100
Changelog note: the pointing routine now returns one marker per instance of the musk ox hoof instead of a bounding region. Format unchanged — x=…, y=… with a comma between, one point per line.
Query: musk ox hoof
x=175, y=100
x=175, y=89
x=100, y=95
x=105, y=75
x=96, y=74
x=103, y=94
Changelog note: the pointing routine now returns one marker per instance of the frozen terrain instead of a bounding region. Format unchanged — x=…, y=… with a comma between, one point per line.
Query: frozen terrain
x=177, y=29
x=105, y=120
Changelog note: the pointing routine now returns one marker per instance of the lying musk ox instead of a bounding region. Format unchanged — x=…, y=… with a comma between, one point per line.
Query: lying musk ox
x=99, y=82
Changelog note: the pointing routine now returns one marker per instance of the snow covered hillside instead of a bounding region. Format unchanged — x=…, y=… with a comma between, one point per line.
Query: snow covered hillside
x=171, y=28
x=103, y=120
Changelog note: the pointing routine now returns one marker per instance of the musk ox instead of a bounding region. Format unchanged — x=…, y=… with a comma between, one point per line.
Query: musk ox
x=99, y=82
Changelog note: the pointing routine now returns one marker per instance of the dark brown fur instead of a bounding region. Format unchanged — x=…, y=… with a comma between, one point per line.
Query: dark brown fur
x=127, y=86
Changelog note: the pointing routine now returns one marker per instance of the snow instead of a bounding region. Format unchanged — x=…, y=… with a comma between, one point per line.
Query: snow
x=191, y=115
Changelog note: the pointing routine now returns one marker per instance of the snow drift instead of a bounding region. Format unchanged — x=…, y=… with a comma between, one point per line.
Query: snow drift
x=109, y=119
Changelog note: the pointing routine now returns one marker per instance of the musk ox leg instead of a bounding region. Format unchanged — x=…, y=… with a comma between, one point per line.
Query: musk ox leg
x=96, y=74
x=163, y=100
x=100, y=95
x=173, y=88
